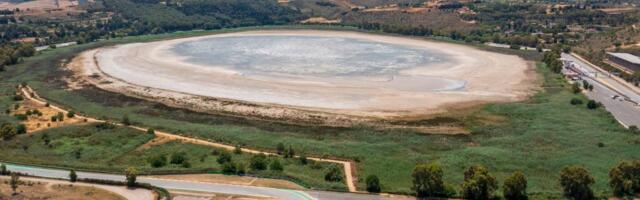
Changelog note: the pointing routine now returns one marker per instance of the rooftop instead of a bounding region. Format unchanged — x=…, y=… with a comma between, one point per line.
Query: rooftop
x=627, y=57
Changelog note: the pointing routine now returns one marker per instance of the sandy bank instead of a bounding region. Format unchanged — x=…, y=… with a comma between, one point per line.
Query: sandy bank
x=151, y=71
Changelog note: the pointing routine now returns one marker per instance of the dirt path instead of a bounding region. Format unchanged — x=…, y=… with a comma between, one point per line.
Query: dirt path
x=348, y=166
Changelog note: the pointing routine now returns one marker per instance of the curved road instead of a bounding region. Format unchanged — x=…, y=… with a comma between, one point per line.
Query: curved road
x=203, y=187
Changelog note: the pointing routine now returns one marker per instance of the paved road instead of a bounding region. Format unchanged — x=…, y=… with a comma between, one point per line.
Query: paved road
x=204, y=187
x=625, y=111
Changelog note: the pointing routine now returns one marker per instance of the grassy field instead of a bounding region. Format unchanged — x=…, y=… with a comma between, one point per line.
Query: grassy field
x=538, y=136
x=113, y=150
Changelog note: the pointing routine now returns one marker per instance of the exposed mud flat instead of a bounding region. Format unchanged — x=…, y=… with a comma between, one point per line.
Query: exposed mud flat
x=320, y=77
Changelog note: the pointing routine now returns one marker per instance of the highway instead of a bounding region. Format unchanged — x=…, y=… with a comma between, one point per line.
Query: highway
x=283, y=194
x=627, y=112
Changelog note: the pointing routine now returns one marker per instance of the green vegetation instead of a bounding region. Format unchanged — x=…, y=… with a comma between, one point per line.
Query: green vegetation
x=515, y=187
x=576, y=183
x=624, y=179
x=131, y=175
x=73, y=177
x=538, y=136
x=428, y=181
x=478, y=184
x=373, y=184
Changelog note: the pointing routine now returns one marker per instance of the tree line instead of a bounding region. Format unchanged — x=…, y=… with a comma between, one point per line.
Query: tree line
x=479, y=184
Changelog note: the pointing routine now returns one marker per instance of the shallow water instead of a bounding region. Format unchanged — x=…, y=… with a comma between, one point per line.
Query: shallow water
x=305, y=55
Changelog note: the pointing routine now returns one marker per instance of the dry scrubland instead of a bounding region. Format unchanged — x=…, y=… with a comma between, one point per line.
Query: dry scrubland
x=539, y=136
x=39, y=189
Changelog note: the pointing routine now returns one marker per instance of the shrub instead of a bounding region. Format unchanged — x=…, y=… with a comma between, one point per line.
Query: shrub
x=186, y=164
x=303, y=159
x=258, y=162
x=21, y=129
x=158, y=161
x=178, y=158
x=241, y=169
x=515, y=187
x=624, y=179
x=18, y=98
x=151, y=131
x=73, y=176
x=576, y=183
x=373, y=183
x=71, y=114
x=280, y=148
x=576, y=101
x=237, y=150
x=289, y=153
x=126, y=121
x=105, y=126
x=60, y=116
x=229, y=168
x=14, y=182
x=478, y=184
x=592, y=104
x=334, y=174
x=576, y=88
x=275, y=165
x=21, y=117
x=634, y=129
x=224, y=157
x=7, y=131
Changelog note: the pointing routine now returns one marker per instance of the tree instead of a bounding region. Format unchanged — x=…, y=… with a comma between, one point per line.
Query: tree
x=576, y=183
x=275, y=165
x=7, y=131
x=15, y=180
x=224, y=157
x=373, y=184
x=334, y=174
x=151, y=131
x=427, y=181
x=280, y=148
x=478, y=183
x=3, y=169
x=131, y=175
x=624, y=179
x=73, y=176
x=258, y=162
x=515, y=187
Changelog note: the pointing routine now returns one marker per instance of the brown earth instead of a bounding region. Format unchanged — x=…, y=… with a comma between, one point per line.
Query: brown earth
x=234, y=180
x=39, y=189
